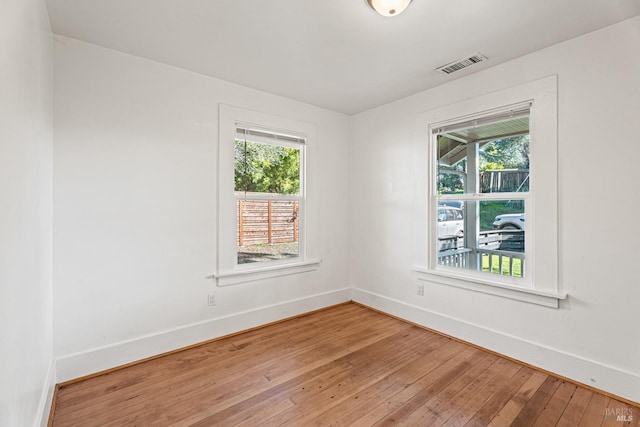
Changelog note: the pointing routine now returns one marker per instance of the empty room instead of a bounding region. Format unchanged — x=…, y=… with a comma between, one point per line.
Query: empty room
x=340, y=212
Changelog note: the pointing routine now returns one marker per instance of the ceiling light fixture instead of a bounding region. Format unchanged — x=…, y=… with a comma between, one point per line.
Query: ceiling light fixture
x=389, y=7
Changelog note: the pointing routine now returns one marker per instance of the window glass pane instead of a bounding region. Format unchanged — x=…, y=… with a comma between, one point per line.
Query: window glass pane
x=502, y=250
x=485, y=236
x=491, y=158
x=266, y=168
x=504, y=165
x=267, y=230
x=501, y=214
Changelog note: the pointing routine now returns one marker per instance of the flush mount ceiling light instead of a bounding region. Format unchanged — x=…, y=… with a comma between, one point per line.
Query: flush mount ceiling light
x=389, y=7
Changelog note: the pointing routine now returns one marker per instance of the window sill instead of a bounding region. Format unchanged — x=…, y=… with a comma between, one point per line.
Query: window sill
x=259, y=273
x=547, y=299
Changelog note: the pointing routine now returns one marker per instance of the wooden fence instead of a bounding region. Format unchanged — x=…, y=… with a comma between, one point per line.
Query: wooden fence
x=499, y=181
x=267, y=221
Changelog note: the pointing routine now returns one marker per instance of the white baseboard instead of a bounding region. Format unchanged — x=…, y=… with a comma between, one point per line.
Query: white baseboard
x=46, y=397
x=99, y=359
x=595, y=374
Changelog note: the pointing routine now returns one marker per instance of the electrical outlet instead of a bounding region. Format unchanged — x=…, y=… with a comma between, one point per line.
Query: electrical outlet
x=420, y=289
x=212, y=300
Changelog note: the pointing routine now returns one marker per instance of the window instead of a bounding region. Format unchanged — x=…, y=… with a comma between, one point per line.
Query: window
x=263, y=220
x=482, y=165
x=269, y=183
x=491, y=216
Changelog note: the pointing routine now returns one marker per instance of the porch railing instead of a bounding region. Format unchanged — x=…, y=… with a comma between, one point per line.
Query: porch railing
x=499, y=252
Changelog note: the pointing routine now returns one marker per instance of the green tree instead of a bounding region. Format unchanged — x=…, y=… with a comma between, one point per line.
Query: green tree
x=451, y=183
x=506, y=153
x=266, y=168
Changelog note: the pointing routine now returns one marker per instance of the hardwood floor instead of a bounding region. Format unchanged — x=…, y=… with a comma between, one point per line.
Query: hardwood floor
x=347, y=365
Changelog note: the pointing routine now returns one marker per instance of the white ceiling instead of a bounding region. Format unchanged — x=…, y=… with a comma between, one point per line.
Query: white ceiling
x=336, y=54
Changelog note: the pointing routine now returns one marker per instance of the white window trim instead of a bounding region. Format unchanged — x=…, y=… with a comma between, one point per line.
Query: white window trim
x=541, y=284
x=228, y=271
x=275, y=269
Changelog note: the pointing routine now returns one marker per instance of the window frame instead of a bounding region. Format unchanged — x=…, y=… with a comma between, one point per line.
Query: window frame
x=467, y=198
x=541, y=282
x=300, y=145
x=228, y=270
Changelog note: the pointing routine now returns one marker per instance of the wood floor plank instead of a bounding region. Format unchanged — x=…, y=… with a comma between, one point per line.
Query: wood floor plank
x=208, y=356
x=594, y=413
x=359, y=404
x=237, y=373
x=343, y=366
x=635, y=413
x=445, y=403
x=617, y=414
x=367, y=371
x=535, y=406
x=497, y=401
x=423, y=378
x=576, y=407
x=473, y=405
x=193, y=356
x=442, y=368
x=431, y=384
x=174, y=369
x=514, y=406
x=556, y=405
x=198, y=405
x=218, y=397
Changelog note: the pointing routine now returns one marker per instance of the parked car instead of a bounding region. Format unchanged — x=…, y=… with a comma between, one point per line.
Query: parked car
x=450, y=221
x=509, y=222
x=453, y=203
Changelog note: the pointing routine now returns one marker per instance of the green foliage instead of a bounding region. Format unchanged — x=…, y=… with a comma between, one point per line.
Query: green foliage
x=265, y=168
x=451, y=183
x=505, y=153
x=491, y=166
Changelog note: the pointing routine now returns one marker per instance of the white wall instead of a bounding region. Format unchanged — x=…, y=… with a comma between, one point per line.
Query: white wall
x=135, y=210
x=25, y=213
x=593, y=336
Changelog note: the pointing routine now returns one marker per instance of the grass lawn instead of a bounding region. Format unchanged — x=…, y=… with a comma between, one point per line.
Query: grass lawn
x=517, y=265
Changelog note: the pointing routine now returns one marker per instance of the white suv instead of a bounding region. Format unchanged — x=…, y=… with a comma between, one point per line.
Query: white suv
x=509, y=222
x=450, y=221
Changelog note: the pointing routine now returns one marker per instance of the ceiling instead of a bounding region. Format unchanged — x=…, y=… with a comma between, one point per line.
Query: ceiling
x=336, y=54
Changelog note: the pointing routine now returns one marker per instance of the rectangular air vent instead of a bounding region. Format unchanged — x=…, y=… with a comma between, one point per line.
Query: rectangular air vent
x=462, y=63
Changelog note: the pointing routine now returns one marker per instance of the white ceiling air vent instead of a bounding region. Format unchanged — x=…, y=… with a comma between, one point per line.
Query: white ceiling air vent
x=462, y=63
